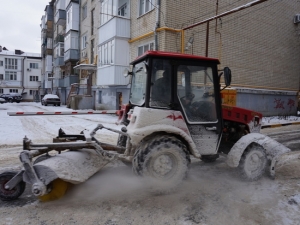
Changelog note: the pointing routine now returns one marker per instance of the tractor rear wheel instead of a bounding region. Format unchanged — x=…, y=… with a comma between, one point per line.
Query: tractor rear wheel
x=253, y=163
x=17, y=191
x=163, y=161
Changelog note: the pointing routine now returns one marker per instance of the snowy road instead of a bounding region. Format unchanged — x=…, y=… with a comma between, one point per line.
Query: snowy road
x=213, y=194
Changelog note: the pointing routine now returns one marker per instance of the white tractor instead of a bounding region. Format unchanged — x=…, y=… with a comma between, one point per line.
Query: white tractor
x=175, y=112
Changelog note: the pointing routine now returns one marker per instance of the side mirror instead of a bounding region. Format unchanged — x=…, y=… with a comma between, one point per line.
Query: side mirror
x=227, y=76
x=126, y=72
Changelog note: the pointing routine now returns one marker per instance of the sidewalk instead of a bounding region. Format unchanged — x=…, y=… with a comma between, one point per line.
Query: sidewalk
x=278, y=121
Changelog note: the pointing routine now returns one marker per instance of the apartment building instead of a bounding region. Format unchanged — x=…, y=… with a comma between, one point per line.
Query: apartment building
x=113, y=54
x=259, y=44
x=20, y=72
x=60, y=47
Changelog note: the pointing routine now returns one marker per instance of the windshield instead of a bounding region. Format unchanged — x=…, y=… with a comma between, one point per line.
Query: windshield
x=195, y=90
x=138, y=85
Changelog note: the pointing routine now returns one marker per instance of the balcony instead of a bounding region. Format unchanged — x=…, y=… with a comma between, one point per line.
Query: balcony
x=59, y=61
x=111, y=75
x=10, y=83
x=60, y=17
x=59, y=38
x=71, y=55
x=116, y=27
x=49, y=13
x=67, y=81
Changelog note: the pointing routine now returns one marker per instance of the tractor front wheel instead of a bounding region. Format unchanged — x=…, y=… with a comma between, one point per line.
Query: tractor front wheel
x=253, y=163
x=17, y=191
x=163, y=161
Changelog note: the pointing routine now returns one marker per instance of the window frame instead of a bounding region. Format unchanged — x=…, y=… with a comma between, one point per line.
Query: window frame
x=10, y=75
x=33, y=78
x=33, y=65
x=13, y=90
x=11, y=63
x=84, y=11
x=143, y=46
x=142, y=10
x=107, y=53
x=84, y=41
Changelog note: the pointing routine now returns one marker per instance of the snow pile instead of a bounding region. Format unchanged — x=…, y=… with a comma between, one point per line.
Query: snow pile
x=280, y=119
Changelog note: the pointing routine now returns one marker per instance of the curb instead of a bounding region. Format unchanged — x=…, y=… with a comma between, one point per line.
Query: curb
x=279, y=125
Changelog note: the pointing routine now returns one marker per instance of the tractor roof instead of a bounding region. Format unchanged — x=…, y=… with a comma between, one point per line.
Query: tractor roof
x=174, y=55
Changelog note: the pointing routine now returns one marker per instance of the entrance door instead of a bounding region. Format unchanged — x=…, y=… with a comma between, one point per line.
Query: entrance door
x=196, y=94
x=119, y=100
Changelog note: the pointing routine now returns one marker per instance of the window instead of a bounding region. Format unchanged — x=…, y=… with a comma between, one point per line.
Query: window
x=68, y=16
x=146, y=6
x=13, y=90
x=195, y=90
x=144, y=48
x=92, y=51
x=161, y=83
x=34, y=65
x=92, y=21
x=1, y=91
x=1, y=63
x=84, y=11
x=84, y=41
x=107, y=10
x=100, y=97
x=107, y=53
x=10, y=75
x=122, y=10
x=1, y=76
x=33, y=92
x=11, y=63
x=33, y=78
x=138, y=85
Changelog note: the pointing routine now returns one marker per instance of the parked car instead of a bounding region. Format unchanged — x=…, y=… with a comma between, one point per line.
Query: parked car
x=12, y=97
x=51, y=99
x=2, y=100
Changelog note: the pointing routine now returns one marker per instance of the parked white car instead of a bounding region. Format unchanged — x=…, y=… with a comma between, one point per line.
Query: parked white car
x=2, y=100
x=51, y=99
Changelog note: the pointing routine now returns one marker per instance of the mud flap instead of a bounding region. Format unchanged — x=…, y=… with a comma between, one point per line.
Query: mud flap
x=278, y=154
x=286, y=165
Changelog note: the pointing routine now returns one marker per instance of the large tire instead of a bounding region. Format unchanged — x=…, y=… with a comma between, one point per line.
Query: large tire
x=163, y=161
x=253, y=163
x=9, y=195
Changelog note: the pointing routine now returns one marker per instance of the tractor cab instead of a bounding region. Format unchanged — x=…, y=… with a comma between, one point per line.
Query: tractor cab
x=186, y=83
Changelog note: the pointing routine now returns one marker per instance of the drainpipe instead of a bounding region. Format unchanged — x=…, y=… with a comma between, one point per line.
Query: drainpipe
x=156, y=25
x=23, y=74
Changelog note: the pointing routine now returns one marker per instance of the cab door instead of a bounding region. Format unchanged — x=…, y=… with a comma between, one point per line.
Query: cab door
x=197, y=88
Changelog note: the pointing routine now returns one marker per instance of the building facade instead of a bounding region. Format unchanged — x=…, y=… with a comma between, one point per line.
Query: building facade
x=20, y=72
x=258, y=43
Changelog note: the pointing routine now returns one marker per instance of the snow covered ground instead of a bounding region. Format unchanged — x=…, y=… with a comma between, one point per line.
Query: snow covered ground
x=213, y=194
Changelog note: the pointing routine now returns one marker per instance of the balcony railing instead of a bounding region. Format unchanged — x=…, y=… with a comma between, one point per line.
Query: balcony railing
x=67, y=81
x=116, y=27
x=59, y=38
x=71, y=54
x=59, y=61
x=10, y=83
